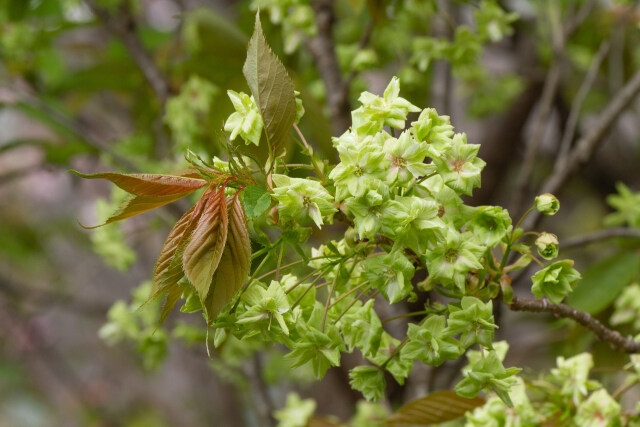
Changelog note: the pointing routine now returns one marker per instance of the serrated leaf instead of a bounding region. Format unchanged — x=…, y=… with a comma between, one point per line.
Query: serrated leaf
x=136, y=205
x=603, y=281
x=170, y=301
x=235, y=262
x=438, y=407
x=144, y=184
x=167, y=272
x=256, y=200
x=272, y=90
x=203, y=252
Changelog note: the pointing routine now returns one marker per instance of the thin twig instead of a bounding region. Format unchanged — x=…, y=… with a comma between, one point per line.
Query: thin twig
x=559, y=35
x=562, y=310
x=346, y=294
x=624, y=387
x=576, y=106
x=599, y=235
x=327, y=304
x=587, y=145
x=551, y=84
x=124, y=28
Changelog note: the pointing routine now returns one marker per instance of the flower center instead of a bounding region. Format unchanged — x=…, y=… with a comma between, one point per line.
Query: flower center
x=399, y=162
x=457, y=165
x=451, y=255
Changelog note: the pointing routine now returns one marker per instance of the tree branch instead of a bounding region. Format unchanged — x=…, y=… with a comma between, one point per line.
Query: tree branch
x=124, y=28
x=559, y=310
x=585, y=87
x=603, y=333
x=323, y=51
x=607, y=233
x=587, y=145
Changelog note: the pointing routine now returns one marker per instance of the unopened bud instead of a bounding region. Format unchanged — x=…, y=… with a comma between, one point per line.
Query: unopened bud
x=547, y=204
x=350, y=237
x=547, y=244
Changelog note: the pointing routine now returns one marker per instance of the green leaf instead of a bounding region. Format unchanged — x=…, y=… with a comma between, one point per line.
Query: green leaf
x=438, y=407
x=271, y=88
x=204, y=250
x=603, y=281
x=256, y=200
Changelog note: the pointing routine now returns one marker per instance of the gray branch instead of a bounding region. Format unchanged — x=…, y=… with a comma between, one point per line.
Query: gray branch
x=603, y=333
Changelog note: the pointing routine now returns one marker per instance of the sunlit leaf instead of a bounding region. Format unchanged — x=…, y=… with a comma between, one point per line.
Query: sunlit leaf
x=438, y=407
x=143, y=184
x=204, y=250
x=136, y=205
x=271, y=88
x=235, y=263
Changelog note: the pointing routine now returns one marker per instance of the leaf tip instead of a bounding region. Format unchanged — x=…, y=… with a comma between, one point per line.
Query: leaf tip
x=89, y=227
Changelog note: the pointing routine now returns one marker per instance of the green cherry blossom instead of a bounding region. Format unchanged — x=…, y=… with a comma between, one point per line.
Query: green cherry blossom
x=450, y=261
x=547, y=245
x=391, y=273
x=360, y=169
x=555, y=281
x=389, y=110
x=420, y=229
x=406, y=156
x=473, y=320
x=547, y=204
x=459, y=165
x=302, y=199
x=246, y=121
x=433, y=129
x=430, y=344
x=490, y=224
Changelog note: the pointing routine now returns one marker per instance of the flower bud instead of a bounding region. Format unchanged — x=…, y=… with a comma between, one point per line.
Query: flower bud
x=547, y=245
x=350, y=237
x=547, y=204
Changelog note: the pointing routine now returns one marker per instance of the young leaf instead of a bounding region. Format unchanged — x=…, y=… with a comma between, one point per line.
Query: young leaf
x=137, y=204
x=235, y=263
x=172, y=298
x=204, y=250
x=256, y=200
x=144, y=184
x=271, y=88
x=436, y=408
x=166, y=272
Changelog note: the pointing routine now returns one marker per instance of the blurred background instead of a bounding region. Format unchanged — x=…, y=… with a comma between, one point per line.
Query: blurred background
x=129, y=85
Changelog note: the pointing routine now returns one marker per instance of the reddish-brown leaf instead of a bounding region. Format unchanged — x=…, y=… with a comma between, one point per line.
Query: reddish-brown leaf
x=235, y=262
x=203, y=251
x=167, y=272
x=144, y=184
x=170, y=301
x=436, y=408
x=136, y=205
